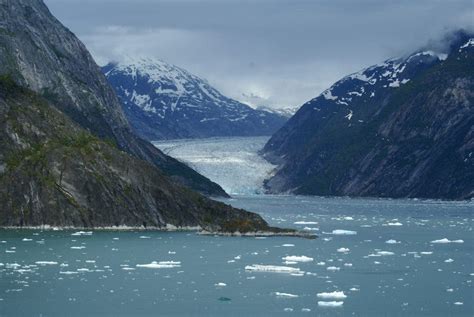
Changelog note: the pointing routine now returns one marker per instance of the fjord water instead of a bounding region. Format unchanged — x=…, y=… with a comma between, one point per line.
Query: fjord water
x=388, y=257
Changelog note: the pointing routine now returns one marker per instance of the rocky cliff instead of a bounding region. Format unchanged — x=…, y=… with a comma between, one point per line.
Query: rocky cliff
x=53, y=172
x=403, y=128
x=41, y=54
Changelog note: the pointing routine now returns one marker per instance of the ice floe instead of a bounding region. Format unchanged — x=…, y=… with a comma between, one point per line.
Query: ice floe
x=160, y=265
x=297, y=258
x=46, y=263
x=343, y=232
x=285, y=295
x=82, y=233
x=343, y=250
x=220, y=284
x=287, y=245
x=330, y=304
x=392, y=241
x=333, y=268
x=273, y=269
x=332, y=295
x=448, y=260
x=305, y=223
x=446, y=240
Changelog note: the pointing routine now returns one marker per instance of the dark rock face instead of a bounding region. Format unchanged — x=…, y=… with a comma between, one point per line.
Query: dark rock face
x=404, y=128
x=163, y=101
x=41, y=54
x=53, y=172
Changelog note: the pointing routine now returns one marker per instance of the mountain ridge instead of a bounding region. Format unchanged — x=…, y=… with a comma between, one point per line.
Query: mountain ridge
x=384, y=132
x=164, y=101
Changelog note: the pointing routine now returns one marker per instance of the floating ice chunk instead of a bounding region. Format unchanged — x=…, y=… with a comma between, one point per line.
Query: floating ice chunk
x=78, y=248
x=343, y=232
x=448, y=260
x=161, y=265
x=68, y=272
x=171, y=252
x=10, y=251
x=273, y=269
x=290, y=262
x=90, y=261
x=305, y=310
x=385, y=253
x=288, y=309
x=354, y=289
x=343, y=250
x=285, y=295
x=458, y=303
x=446, y=240
x=310, y=229
x=238, y=257
x=426, y=252
x=46, y=263
x=333, y=268
x=332, y=295
x=84, y=270
x=450, y=290
x=305, y=223
x=392, y=241
x=82, y=233
x=395, y=224
x=26, y=240
x=297, y=258
x=287, y=245
x=144, y=237
x=220, y=284
x=348, y=264
x=128, y=269
x=330, y=304
x=321, y=263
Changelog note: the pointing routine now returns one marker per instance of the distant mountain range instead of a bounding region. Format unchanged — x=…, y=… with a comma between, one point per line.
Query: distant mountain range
x=402, y=128
x=163, y=101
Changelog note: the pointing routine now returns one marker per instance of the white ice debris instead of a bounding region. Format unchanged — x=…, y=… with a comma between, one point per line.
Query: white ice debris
x=297, y=258
x=82, y=233
x=46, y=263
x=26, y=240
x=446, y=240
x=287, y=245
x=332, y=295
x=330, y=304
x=220, y=284
x=385, y=253
x=395, y=224
x=285, y=295
x=273, y=269
x=333, y=268
x=458, y=303
x=78, y=247
x=449, y=260
x=343, y=250
x=392, y=241
x=160, y=265
x=343, y=232
x=305, y=223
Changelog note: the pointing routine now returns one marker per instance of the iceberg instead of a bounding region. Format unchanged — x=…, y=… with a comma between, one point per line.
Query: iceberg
x=343, y=232
x=285, y=295
x=46, y=263
x=273, y=269
x=343, y=250
x=446, y=240
x=332, y=295
x=330, y=304
x=160, y=265
x=296, y=258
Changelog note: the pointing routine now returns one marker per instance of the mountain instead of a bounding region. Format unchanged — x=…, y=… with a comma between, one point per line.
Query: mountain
x=403, y=128
x=67, y=155
x=284, y=112
x=163, y=101
x=43, y=55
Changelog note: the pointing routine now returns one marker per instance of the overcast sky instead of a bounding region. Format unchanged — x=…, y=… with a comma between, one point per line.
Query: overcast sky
x=278, y=53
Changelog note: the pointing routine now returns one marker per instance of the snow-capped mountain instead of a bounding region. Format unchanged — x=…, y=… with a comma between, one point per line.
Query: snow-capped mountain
x=285, y=112
x=163, y=101
x=387, y=130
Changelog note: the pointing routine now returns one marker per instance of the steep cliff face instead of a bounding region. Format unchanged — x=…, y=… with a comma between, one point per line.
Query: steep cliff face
x=41, y=54
x=163, y=101
x=53, y=172
x=404, y=128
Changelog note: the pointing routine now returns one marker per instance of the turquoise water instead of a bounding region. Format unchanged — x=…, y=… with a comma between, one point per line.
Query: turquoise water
x=56, y=273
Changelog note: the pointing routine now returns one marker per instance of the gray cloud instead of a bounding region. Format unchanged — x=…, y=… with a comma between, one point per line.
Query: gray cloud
x=274, y=52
